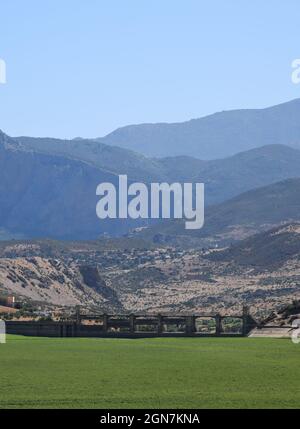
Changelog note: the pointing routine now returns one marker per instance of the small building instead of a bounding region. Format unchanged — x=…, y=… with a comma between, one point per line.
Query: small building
x=8, y=301
x=11, y=301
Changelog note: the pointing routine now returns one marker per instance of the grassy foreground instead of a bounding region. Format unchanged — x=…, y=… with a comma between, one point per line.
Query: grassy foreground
x=151, y=373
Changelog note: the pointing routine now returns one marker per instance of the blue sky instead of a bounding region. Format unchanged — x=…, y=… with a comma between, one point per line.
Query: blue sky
x=84, y=68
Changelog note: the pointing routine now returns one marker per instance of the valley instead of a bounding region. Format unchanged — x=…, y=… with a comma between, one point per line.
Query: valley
x=149, y=279
x=56, y=254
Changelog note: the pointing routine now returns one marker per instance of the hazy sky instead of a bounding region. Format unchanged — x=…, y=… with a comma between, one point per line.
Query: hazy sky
x=84, y=68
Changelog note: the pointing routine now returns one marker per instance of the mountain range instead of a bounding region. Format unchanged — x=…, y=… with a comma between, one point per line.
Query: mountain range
x=215, y=136
x=247, y=251
x=250, y=212
x=223, y=178
x=48, y=186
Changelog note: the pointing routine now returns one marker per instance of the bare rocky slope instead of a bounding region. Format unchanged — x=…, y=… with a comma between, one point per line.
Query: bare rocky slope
x=53, y=282
x=262, y=272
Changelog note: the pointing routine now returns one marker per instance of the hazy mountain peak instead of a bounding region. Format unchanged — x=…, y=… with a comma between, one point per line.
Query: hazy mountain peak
x=215, y=136
x=8, y=142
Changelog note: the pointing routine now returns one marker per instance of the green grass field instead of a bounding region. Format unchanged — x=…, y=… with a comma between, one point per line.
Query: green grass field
x=149, y=373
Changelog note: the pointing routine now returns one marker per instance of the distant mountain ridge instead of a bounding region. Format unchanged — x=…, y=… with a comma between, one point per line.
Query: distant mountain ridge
x=229, y=177
x=48, y=186
x=248, y=213
x=215, y=136
x=44, y=195
x=109, y=158
x=223, y=178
